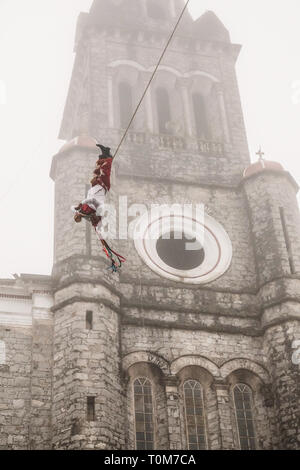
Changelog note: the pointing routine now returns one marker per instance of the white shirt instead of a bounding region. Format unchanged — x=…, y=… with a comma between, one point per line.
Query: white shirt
x=95, y=198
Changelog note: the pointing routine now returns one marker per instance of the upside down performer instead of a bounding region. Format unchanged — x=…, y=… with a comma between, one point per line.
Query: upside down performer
x=91, y=207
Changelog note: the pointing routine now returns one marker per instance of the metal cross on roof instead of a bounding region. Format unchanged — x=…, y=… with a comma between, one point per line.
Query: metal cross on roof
x=260, y=153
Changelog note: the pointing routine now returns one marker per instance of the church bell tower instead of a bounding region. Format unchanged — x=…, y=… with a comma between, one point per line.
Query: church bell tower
x=181, y=349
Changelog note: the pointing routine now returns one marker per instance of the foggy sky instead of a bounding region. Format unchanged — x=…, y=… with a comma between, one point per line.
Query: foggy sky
x=36, y=59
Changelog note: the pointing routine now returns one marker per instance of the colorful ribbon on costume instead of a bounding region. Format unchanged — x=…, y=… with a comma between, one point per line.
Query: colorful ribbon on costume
x=111, y=254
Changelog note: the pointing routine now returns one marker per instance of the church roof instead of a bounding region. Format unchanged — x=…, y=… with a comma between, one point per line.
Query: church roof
x=81, y=141
x=261, y=166
x=268, y=166
x=130, y=13
x=211, y=28
x=104, y=13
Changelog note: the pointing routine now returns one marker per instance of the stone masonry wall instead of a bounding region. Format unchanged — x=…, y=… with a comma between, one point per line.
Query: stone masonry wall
x=213, y=353
x=285, y=380
x=266, y=194
x=41, y=385
x=25, y=363
x=86, y=363
x=15, y=391
x=225, y=205
x=213, y=332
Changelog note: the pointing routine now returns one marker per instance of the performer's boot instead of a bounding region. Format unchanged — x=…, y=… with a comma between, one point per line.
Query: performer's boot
x=105, y=151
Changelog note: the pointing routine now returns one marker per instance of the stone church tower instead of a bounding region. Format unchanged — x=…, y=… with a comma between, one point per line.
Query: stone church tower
x=182, y=349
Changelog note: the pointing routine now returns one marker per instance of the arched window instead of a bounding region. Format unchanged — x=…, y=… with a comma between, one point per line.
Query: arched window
x=2, y=353
x=163, y=110
x=155, y=10
x=243, y=402
x=202, y=127
x=143, y=406
x=194, y=415
x=126, y=107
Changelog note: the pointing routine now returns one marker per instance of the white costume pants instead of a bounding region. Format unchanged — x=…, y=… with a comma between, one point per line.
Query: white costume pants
x=96, y=199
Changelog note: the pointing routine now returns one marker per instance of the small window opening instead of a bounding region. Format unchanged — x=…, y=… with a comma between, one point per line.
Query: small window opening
x=163, y=110
x=287, y=240
x=89, y=320
x=91, y=409
x=201, y=119
x=126, y=104
x=2, y=353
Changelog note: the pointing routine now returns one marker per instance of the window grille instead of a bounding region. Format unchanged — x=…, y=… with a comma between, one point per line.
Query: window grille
x=243, y=401
x=194, y=415
x=143, y=406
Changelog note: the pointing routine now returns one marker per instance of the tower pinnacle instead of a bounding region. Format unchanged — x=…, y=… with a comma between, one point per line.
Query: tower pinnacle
x=260, y=153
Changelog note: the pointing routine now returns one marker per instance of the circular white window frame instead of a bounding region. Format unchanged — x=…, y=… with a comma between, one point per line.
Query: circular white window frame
x=209, y=233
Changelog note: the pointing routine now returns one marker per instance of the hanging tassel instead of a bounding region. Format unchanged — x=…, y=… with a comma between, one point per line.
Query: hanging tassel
x=111, y=255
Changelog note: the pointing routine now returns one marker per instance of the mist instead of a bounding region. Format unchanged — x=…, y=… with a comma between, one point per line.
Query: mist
x=36, y=59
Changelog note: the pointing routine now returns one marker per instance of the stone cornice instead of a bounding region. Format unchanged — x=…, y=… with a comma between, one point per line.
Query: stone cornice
x=237, y=186
x=16, y=297
x=183, y=325
x=255, y=291
x=83, y=299
x=258, y=331
x=285, y=285
x=178, y=181
x=158, y=37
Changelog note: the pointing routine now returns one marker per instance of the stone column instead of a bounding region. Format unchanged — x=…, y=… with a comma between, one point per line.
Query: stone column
x=41, y=372
x=172, y=8
x=145, y=77
x=183, y=84
x=223, y=113
x=111, y=118
x=173, y=409
x=144, y=6
x=223, y=401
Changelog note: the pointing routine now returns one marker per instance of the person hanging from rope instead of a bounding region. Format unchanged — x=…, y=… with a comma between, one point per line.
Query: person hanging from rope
x=89, y=208
x=92, y=207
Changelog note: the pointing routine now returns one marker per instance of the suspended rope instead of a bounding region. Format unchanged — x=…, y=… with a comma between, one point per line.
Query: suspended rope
x=152, y=77
x=84, y=209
